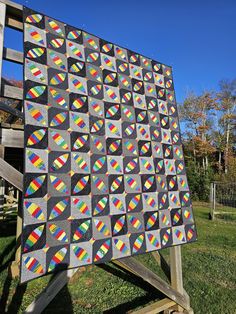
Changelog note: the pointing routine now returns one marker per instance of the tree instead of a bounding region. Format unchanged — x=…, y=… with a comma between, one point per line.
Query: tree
x=227, y=101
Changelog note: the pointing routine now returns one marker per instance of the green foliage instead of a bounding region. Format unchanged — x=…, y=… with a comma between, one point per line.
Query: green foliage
x=199, y=181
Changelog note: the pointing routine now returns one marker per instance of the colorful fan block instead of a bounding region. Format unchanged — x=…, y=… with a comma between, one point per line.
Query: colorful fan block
x=34, y=210
x=58, y=98
x=59, y=140
x=33, y=238
x=116, y=183
x=115, y=165
x=34, y=18
x=55, y=27
x=101, y=227
x=57, y=259
x=103, y=250
x=57, y=43
x=99, y=163
x=101, y=205
x=118, y=203
x=74, y=34
x=36, y=37
x=150, y=201
x=33, y=265
x=59, y=162
x=35, y=185
x=57, y=60
x=96, y=127
x=59, y=208
x=104, y=173
x=153, y=240
x=100, y=185
x=35, y=160
x=81, y=184
x=36, y=137
x=80, y=142
x=35, y=53
x=138, y=243
x=121, y=246
x=114, y=146
x=81, y=254
x=131, y=165
x=58, y=79
x=151, y=221
x=58, y=184
x=58, y=233
x=135, y=222
x=35, y=92
x=81, y=206
x=81, y=230
x=119, y=225
x=80, y=162
x=166, y=237
x=134, y=202
x=36, y=72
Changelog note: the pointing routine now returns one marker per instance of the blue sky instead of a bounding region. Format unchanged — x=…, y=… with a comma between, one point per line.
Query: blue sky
x=197, y=38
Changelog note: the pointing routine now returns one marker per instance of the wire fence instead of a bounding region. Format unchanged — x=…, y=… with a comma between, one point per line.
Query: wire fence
x=223, y=200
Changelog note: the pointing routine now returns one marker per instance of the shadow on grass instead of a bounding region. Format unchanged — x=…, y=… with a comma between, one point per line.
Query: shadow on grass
x=7, y=228
x=152, y=293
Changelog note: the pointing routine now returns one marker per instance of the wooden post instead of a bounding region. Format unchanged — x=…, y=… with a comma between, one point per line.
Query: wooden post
x=214, y=201
x=2, y=25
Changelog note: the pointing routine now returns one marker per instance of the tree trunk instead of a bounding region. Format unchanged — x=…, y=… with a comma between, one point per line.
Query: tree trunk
x=219, y=162
x=206, y=162
x=227, y=146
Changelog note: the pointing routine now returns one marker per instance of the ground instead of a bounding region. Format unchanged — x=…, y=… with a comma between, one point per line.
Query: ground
x=209, y=269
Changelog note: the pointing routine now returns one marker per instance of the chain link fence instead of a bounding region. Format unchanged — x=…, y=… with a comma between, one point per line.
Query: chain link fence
x=223, y=200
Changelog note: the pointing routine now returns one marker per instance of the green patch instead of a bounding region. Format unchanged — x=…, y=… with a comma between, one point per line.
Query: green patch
x=208, y=268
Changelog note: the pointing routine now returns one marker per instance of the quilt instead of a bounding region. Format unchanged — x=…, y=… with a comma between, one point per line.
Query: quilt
x=104, y=174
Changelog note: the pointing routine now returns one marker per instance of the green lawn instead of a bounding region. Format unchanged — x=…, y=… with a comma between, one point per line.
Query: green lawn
x=209, y=268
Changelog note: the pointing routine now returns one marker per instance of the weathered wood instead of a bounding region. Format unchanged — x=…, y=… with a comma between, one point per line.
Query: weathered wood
x=162, y=263
x=12, y=55
x=11, y=175
x=13, y=23
x=15, y=112
x=12, y=126
x=12, y=138
x=2, y=26
x=156, y=307
x=176, y=271
x=13, y=92
x=155, y=281
x=15, y=7
x=52, y=289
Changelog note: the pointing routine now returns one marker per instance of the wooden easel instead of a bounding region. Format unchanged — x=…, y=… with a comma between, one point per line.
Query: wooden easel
x=176, y=297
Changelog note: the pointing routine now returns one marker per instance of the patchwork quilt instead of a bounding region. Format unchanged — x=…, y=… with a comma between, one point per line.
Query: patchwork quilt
x=104, y=173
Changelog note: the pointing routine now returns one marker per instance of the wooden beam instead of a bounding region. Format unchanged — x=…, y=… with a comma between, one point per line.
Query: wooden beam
x=49, y=293
x=13, y=92
x=158, y=283
x=13, y=111
x=156, y=307
x=162, y=263
x=2, y=25
x=13, y=5
x=12, y=138
x=13, y=23
x=11, y=175
x=12, y=55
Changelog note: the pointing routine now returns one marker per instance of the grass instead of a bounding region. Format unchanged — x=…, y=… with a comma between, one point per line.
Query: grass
x=209, y=269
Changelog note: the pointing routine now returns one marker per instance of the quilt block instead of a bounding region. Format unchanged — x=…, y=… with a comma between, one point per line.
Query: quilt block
x=104, y=173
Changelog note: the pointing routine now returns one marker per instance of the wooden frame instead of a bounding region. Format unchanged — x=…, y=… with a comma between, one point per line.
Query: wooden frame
x=176, y=297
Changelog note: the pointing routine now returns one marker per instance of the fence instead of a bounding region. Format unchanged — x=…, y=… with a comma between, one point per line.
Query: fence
x=223, y=200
